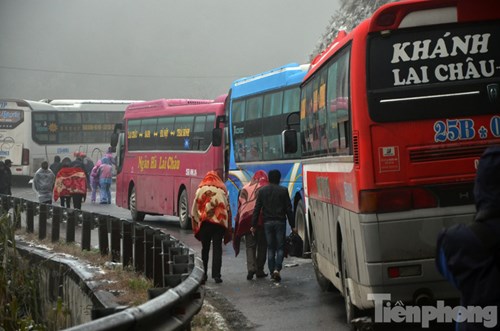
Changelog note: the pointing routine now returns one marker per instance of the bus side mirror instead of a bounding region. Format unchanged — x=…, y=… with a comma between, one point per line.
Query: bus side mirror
x=217, y=131
x=116, y=134
x=114, y=140
x=289, y=138
x=217, y=137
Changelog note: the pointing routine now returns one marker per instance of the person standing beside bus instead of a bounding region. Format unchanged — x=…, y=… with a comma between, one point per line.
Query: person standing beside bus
x=105, y=174
x=468, y=256
x=8, y=178
x=274, y=203
x=4, y=187
x=43, y=183
x=255, y=243
x=211, y=221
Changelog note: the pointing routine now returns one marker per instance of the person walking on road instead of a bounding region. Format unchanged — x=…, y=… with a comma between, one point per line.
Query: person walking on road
x=469, y=255
x=56, y=165
x=255, y=243
x=72, y=182
x=43, y=183
x=94, y=181
x=211, y=221
x=63, y=187
x=105, y=173
x=274, y=203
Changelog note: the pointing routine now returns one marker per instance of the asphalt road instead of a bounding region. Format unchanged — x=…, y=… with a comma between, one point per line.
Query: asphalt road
x=296, y=303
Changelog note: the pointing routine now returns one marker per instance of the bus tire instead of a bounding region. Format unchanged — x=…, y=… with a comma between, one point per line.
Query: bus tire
x=300, y=224
x=324, y=284
x=137, y=216
x=351, y=311
x=183, y=210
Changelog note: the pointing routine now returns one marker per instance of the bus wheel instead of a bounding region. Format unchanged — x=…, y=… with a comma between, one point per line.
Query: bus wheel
x=137, y=216
x=351, y=311
x=300, y=224
x=183, y=210
x=323, y=282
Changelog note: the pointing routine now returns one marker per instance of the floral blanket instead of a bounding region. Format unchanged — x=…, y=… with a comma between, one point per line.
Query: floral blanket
x=211, y=204
x=70, y=181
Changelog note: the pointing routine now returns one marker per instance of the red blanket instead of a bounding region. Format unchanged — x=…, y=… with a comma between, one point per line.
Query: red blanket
x=70, y=181
x=246, y=205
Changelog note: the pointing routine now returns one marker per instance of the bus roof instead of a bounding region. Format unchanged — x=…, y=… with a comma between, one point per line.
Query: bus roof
x=165, y=103
x=283, y=76
x=18, y=103
x=69, y=102
x=175, y=105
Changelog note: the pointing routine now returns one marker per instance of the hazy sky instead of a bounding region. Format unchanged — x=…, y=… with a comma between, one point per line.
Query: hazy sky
x=149, y=49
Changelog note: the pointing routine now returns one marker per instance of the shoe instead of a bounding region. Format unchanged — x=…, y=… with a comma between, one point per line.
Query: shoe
x=218, y=280
x=204, y=279
x=250, y=275
x=276, y=276
x=261, y=274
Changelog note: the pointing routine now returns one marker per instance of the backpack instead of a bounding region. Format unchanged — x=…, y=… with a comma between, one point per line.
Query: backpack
x=294, y=244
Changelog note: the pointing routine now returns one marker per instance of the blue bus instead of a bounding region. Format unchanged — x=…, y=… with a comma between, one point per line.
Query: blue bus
x=259, y=107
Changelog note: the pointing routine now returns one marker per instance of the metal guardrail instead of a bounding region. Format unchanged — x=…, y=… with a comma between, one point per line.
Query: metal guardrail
x=173, y=267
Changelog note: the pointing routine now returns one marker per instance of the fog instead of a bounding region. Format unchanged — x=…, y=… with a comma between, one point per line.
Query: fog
x=149, y=49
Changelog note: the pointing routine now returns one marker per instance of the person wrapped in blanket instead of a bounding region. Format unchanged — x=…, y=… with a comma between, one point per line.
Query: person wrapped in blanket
x=211, y=221
x=255, y=243
x=71, y=182
x=468, y=256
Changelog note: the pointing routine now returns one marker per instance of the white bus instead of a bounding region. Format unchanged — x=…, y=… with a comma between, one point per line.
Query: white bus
x=34, y=131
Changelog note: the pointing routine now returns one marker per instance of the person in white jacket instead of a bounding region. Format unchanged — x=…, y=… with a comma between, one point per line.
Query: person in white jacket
x=43, y=183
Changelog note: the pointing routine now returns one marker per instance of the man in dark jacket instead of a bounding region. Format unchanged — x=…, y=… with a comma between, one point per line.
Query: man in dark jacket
x=8, y=178
x=276, y=207
x=471, y=260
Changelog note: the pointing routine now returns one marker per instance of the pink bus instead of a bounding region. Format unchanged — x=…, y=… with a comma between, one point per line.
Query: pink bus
x=163, y=151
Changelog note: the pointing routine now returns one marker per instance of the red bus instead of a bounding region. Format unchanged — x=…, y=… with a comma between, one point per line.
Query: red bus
x=394, y=116
x=164, y=152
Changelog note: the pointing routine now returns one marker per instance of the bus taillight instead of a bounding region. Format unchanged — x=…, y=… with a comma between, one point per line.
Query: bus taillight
x=26, y=157
x=393, y=200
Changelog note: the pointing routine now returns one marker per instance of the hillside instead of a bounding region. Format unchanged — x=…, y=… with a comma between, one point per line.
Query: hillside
x=350, y=14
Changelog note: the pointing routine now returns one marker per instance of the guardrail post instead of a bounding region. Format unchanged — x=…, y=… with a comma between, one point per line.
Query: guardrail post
x=71, y=225
x=127, y=242
x=86, y=227
x=157, y=266
x=103, y=235
x=30, y=217
x=139, y=247
x=148, y=252
x=56, y=223
x=115, y=239
x=165, y=253
x=16, y=214
x=5, y=203
x=42, y=222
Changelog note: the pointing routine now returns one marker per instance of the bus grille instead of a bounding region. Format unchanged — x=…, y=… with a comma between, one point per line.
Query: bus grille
x=448, y=152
